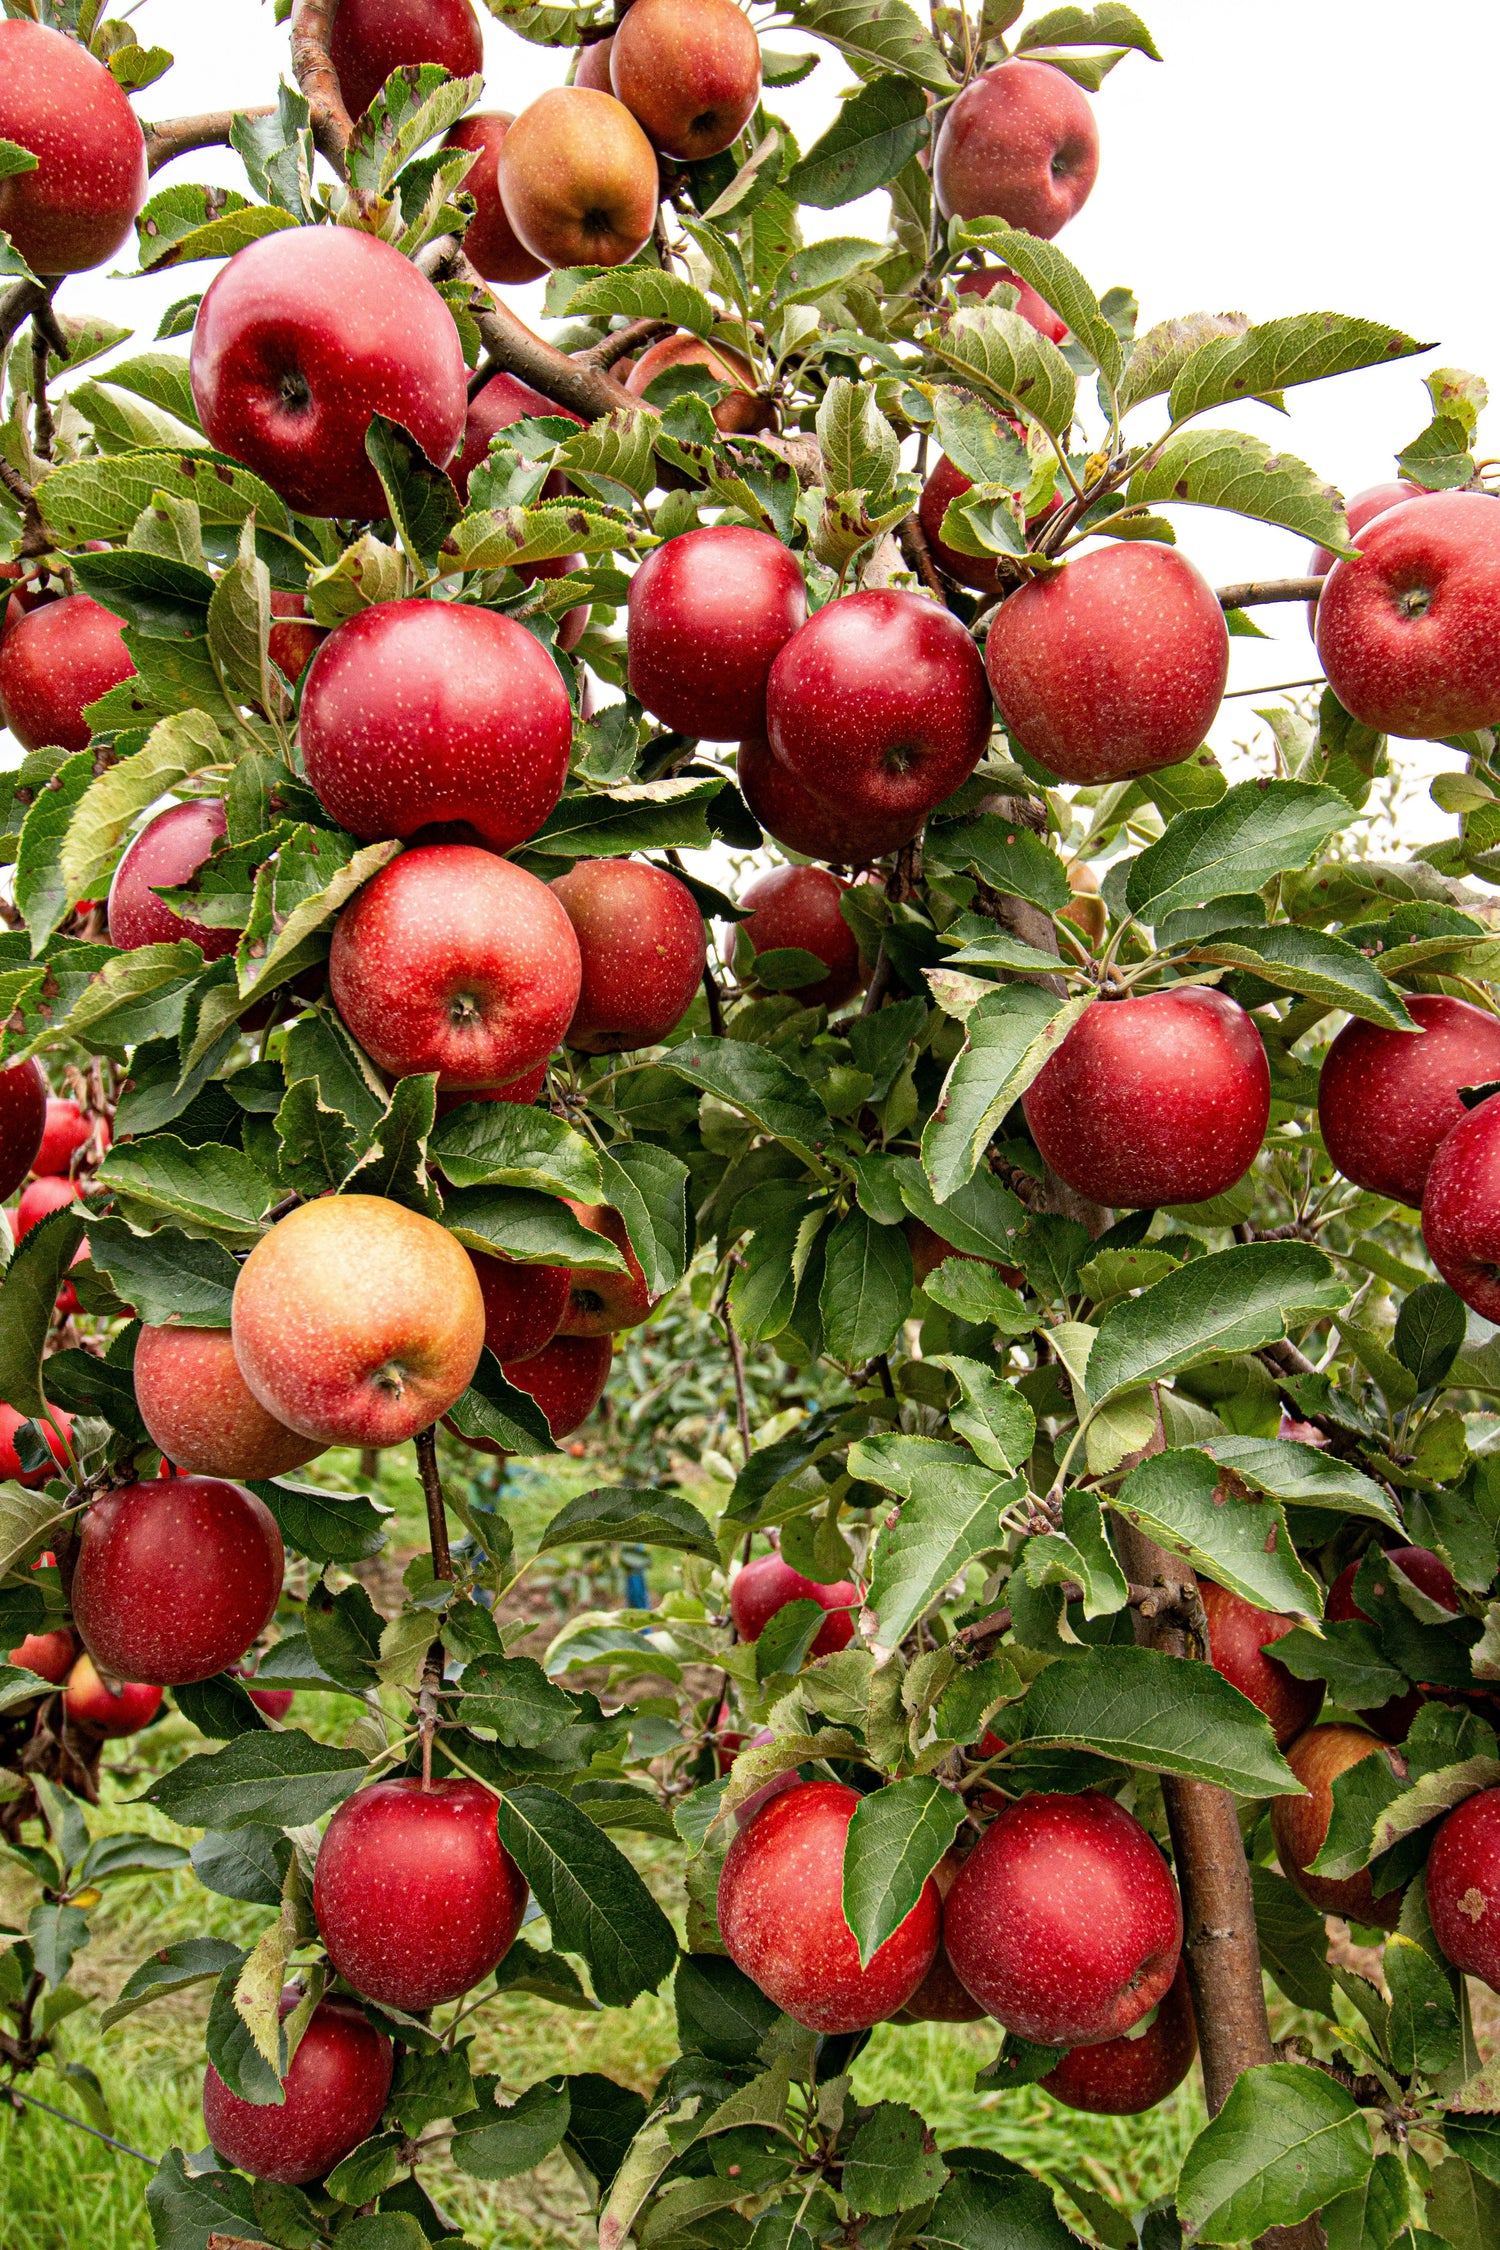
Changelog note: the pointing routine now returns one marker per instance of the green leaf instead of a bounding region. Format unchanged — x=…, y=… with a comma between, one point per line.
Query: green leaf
x=888, y=2167
x=28, y=1294
x=176, y=747
x=643, y=816
x=1464, y=2209
x=162, y=379
x=867, y=1283
x=212, y=1193
x=1274, y=354
x=1232, y=1301
x=343, y=1632
x=491, y=2144
x=1287, y=2141
x=647, y=1185
x=1110, y=24
x=1005, y=355
x=982, y=1218
x=1057, y=281
x=1293, y=1940
x=758, y=1084
x=895, y=1840
x=646, y=1518
x=1126, y=1703
x=493, y=1407
x=785, y=1641
x=423, y=502
x=282, y=1780
x=324, y=1526
x=720, y=2013
x=994, y=1417
x=532, y=1229
x=1423, y=2028
x=169, y=1279
x=859, y=447
x=512, y=1697
x=1347, y=1656
x=186, y=2209
x=884, y=34
x=941, y=1527
x=1227, y=469
x=40, y=892
x=1257, y=830
x=184, y=223
x=1002, y=2208
x=1315, y=965
x=878, y=130
x=315, y=1143
x=1301, y=1474
x=1189, y=1505
x=502, y=1144
x=1430, y=1329
x=817, y=267
x=172, y=1969
x=644, y=293
x=1010, y=1037
x=1008, y=856
x=593, y=1899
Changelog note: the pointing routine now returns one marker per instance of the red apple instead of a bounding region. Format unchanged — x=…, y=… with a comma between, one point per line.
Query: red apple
x=1362, y=509
x=1112, y=666
x=600, y=1301
x=592, y=66
x=1409, y=629
x=781, y=1916
x=1463, y=1887
x=1161, y=1099
x=579, y=179
x=1427, y=1571
x=1065, y=1921
x=39, y=1199
x=168, y=851
x=175, y=1578
x=523, y=1305
x=1238, y=1633
x=417, y=1899
x=294, y=638
x=1300, y=1824
x=566, y=1378
x=845, y=834
x=523, y=1089
x=1019, y=144
x=274, y=1701
x=709, y=613
x=742, y=410
x=56, y=1427
x=879, y=705
x=371, y=38
x=490, y=243
x=929, y=1249
x=59, y=659
x=429, y=716
x=455, y=961
x=336, y=2092
x=357, y=1321
x=89, y=1703
x=799, y=907
x=77, y=208
x=66, y=1131
x=641, y=943
x=767, y=1585
x=940, y=1998
x=300, y=340
x=1387, y=1101
x=504, y=399
x=50, y=1655
x=1122, y=2077
x=198, y=1408
x=690, y=71
x=23, y=1123
x=1029, y=305
x=1461, y=1209
x=946, y=483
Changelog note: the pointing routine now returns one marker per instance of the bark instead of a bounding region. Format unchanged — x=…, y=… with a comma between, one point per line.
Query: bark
x=332, y=126
x=1255, y=593
x=177, y=135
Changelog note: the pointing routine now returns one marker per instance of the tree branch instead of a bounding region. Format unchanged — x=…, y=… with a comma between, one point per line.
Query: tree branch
x=177, y=136
x=623, y=341
x=312, y=66
x=1255, y=593
x=516, y=349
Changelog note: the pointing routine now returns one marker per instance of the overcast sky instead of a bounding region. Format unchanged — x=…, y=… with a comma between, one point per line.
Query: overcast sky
x=1299, y=155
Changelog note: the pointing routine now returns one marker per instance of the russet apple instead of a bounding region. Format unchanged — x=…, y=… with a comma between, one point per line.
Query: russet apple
x=601, y=1301
x=1461, y=1209
x=742, y=410
x=490, y=243
x=357, y=1321
x=1463, y=1887
x=77, y=208
x=1409, y=629
x=1019, y=144
x=767, y=1584
x=566, y=1378
x=1121, y=2077
x=845, y=834
x=1238, y=1634
x=23, y=1123
x=642, y=948
x=417, y=1899
x=1388, y=1100
x=690, y=71
x=436, y=720
x=710, y=612
x=503, y=400
x=1033, y=309
x=781, y=1916
x=56, y=1427
x=198, y=1408
x=879, y=705
x=57, y=661
x=799, y=907
x=1113, y=665
x=67, y=1130
x=371, y=38
x=455, y=961
x=300, y=340
x=523, y=1305
x=1300, y=1824
x=175, y=1578
x=578, y=179
x=91, y=1704
x=168, y=852
x=1161, y=1099
x=1362, y=509
x=335, y=2095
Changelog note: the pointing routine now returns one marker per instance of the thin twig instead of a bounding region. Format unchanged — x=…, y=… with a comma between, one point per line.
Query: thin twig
x=43, y=428
x=715, y=1003
x=623, y=341
x=14, y=2095
x=1256, y=593
x=432, y=1493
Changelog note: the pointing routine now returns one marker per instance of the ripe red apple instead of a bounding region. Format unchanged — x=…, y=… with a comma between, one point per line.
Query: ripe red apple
x=299, y=341
x=89, y=1703
x=55, y=1427
x=1122, y=2077
x=77, y=208
x=523, y=1089
x=294, y=639
x=845, y=834
x=592, y=66
x=1392, y=1720
x=879, y=704
x=1112, y=666
x=1029, y=305
x=602, y=1302
x=1387, y=1101
x=336, y=2092
x=175, y=1578
x=690, y=71
x=371, y=38
x=67, y=1130
x=1463, y=1887
x=274, y=1701
x=168, y=851
x=523, y=1305
x=504, y=399
x=578, y=179
x=940, y=1998
x=799, y=907
x=1162, y=1099
x=781, y=1916
x=1300, y=1824
x=417, y=1899
x=197, y=1407
x=39, y=1199
x=742, y=410
x=1362, y=509
x=641, y=944
x=945, y=484
x=929, y=1249
x=1409, y=629
x=1461, y=1209
x=1019, y=144
x=357, y=1321
x=23, y=1123
x=59, y=659
x=566, y=1378
x=1237, y=1636
x=426, y=716
x=50, y=1655
x=490, y=243
x=455, y=961
x=766, y=1585
x=709, y=613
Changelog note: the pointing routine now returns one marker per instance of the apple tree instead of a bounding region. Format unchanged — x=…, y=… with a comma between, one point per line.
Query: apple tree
x=1102, y=1146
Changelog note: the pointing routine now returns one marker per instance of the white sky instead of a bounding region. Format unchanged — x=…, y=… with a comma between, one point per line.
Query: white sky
x=1299, y=155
